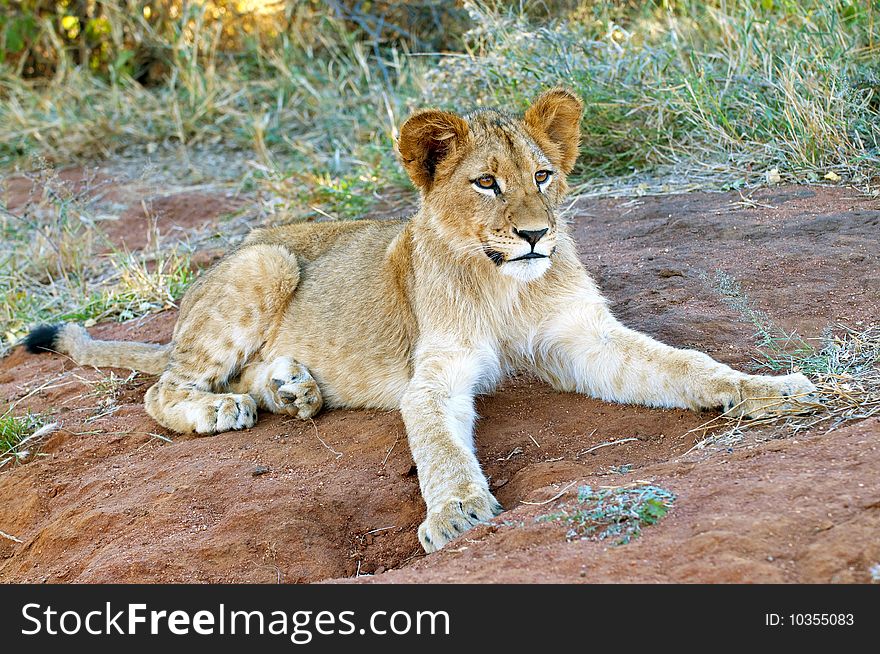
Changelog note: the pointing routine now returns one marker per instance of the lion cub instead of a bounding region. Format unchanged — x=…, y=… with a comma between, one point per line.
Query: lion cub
x=421, y=315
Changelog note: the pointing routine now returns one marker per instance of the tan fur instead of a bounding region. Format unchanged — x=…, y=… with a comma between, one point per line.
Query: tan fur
x=75, y=341
x=421, y=315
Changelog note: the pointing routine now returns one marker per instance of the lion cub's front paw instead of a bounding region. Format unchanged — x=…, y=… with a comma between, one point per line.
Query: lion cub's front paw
x=759, y=396
x=451, y=518
x=231, y=411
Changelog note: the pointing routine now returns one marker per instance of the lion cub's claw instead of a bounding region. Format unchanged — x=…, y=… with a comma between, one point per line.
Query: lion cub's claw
x=451, y=518
x=760, y=396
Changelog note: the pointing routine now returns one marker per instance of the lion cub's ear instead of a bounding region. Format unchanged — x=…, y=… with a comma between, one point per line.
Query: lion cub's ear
x=554, y=121
x=426, y=139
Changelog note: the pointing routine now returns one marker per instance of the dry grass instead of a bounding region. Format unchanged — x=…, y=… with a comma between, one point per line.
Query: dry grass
x=844, y=364
x=105, y=391
x=56, y=264
x=845, y=367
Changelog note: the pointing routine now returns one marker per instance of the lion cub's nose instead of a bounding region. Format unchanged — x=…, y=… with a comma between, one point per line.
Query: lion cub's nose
x=531, y=236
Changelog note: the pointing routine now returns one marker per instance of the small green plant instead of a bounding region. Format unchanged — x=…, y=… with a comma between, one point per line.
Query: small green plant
x=779, y=350
x=15, y=434
x=618, y=513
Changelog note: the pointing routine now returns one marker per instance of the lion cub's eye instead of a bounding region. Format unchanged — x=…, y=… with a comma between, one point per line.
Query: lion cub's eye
x=542, y=177
x=487, y=185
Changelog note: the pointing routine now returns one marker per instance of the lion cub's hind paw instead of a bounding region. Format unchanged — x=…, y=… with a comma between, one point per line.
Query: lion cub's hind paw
x=297, y=395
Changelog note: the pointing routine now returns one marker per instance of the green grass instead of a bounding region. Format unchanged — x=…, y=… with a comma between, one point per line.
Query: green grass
x=618, y=513
x=120, y=287
x=311, y=108
x=134, y=287
x=719, y=92
x=15, y=434
x=715, y=92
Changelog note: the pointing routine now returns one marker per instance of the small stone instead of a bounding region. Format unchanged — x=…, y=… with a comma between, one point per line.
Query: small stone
x=259, y=470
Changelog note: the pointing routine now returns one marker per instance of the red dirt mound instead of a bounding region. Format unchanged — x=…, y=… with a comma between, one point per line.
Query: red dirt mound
x=113, y=500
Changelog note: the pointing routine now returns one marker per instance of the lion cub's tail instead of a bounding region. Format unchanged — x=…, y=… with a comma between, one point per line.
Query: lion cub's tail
x=74, y=340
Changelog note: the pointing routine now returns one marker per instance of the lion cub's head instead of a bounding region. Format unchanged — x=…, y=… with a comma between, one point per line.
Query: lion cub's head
x=491, y=182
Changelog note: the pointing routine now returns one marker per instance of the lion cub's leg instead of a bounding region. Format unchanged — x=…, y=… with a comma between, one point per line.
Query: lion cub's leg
x=281, y=385
x=438, y=412
x=226, y=320
x=184, y=409
x=585, y=349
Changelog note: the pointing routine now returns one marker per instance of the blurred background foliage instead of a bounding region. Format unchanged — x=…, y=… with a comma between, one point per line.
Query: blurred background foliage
x=131, y=37
x=314, y=89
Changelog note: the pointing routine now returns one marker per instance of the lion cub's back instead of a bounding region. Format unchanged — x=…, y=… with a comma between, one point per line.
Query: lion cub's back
x=310, y=241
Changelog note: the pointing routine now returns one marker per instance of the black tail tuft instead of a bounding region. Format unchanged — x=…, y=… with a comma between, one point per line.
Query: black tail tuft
x=42, y=338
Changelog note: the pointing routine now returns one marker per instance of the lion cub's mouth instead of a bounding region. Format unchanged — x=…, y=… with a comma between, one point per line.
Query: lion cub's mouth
x=530, y=255
x=498, y=258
